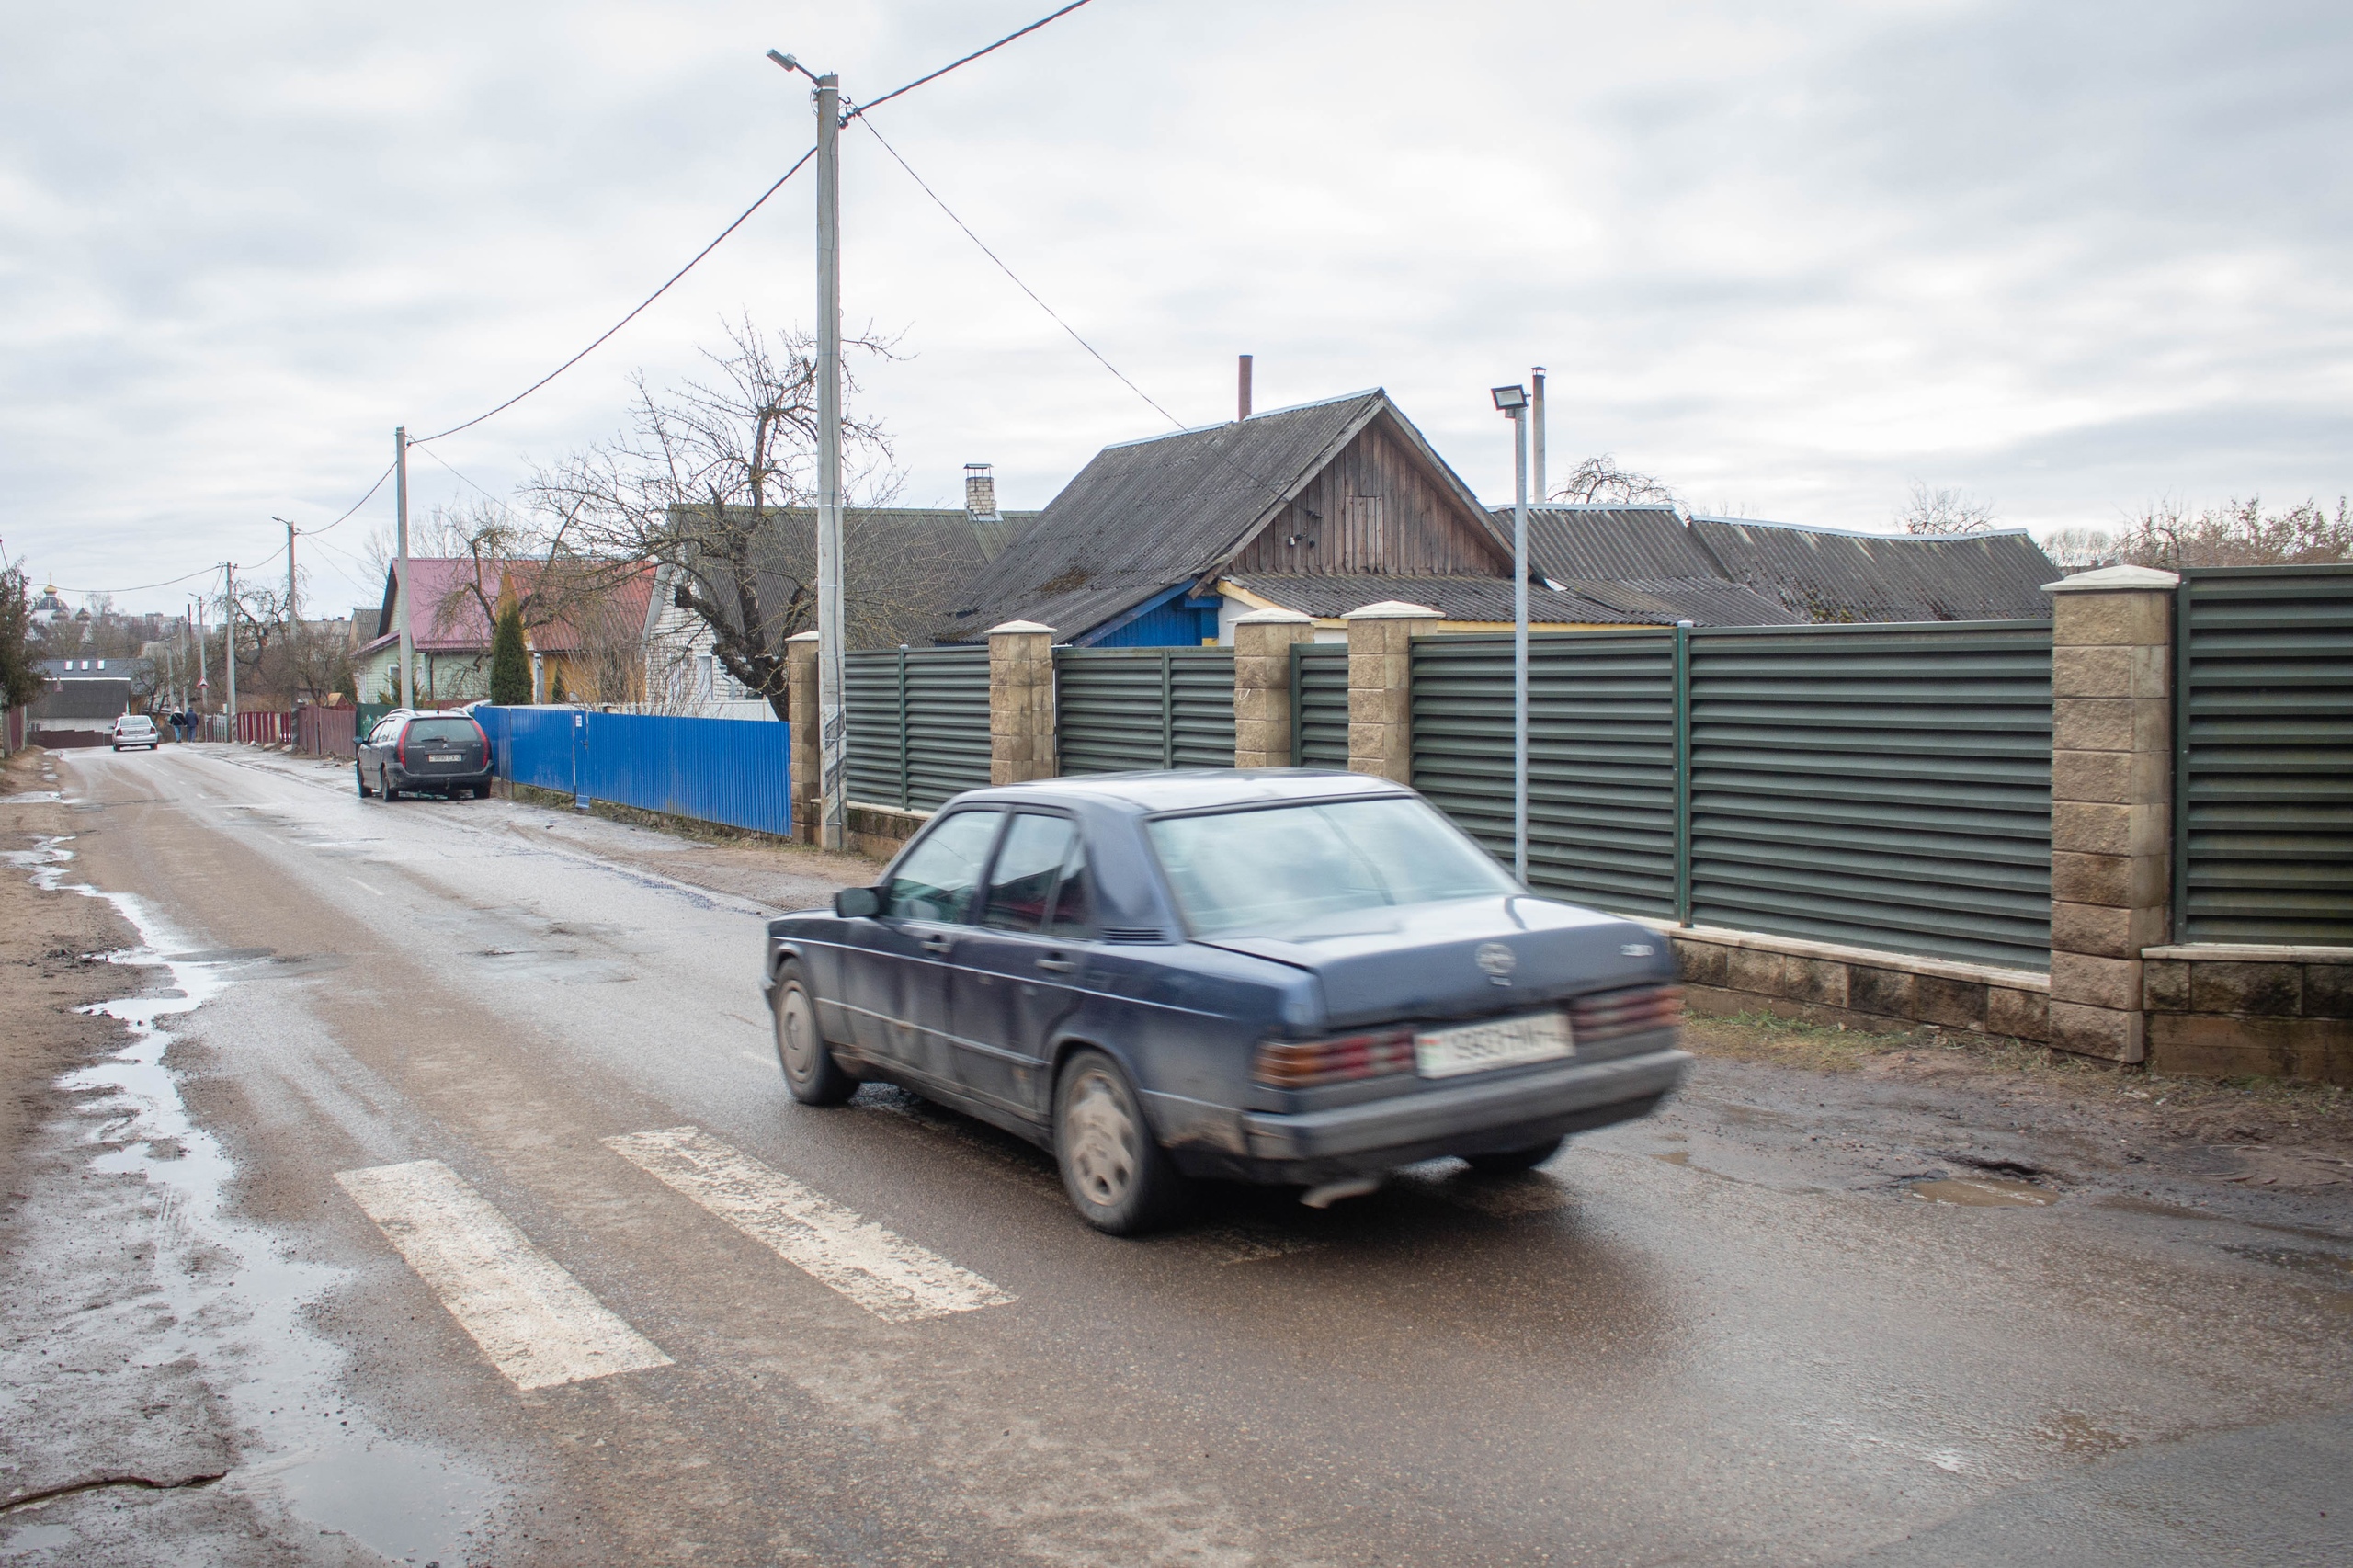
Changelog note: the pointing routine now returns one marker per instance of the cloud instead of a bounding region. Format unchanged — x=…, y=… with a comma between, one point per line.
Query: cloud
x=2070, y=257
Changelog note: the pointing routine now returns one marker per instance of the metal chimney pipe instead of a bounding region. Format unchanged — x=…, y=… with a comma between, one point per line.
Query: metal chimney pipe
x=1244, y=398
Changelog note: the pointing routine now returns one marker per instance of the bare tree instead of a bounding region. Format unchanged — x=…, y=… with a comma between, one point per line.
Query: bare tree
x=2238, y=533
x=2080, y=549
x=1948, y=511
x=1600, y=479
x=702, y=480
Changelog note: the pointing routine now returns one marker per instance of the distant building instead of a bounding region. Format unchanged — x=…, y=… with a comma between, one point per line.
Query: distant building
x=79, y=710
x=589, y=648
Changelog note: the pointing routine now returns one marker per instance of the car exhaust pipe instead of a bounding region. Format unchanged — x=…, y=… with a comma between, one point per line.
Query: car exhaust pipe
x=1331, y=1192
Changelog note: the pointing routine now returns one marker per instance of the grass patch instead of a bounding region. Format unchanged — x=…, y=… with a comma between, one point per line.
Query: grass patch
x=660, y=822
x=2229, y=1109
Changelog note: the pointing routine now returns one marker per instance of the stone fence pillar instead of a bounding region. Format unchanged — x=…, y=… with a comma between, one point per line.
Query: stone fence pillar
x=1380, y=686
x=1262, y=715
x=800, y=704
x=1021, y=703
x=2111, y=802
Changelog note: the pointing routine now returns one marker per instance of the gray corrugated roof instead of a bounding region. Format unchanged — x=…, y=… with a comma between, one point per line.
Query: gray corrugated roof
x=97, y=697
x=1148, y=514
x=1820, y=575
x=1702, y=601
x=1610, y=543
x=1457, y=597
x=901, y=566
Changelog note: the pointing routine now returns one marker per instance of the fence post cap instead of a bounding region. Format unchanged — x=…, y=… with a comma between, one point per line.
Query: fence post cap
x=1274, y=615
x=803, y=637
x=1021, y=628
x=1394, y=609
x=2115, y=580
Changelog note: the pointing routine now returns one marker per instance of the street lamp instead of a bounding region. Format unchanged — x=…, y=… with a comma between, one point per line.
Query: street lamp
x=1512, y=402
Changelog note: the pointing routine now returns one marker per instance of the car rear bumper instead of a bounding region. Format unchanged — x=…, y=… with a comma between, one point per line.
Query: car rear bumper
x=1514, y=1111
x=454, y=779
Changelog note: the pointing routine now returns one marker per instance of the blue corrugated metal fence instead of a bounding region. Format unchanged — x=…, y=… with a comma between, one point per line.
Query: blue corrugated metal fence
x=736, y=772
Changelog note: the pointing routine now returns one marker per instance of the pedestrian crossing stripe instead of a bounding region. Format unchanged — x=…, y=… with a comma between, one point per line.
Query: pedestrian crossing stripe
x=891, y=1277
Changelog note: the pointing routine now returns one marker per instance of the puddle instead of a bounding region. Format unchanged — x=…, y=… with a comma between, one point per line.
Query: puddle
x=247, y=1325
x=1986, y=1192
x=2334, y=1268
x=32, y=798
x=2072, y=1432
x=1675, y=1157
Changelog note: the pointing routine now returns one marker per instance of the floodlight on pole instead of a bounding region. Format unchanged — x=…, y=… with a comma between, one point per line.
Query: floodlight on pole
x=1512, y=401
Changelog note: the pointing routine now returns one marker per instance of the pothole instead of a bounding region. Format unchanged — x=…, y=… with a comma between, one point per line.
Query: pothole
x=1984, y=1192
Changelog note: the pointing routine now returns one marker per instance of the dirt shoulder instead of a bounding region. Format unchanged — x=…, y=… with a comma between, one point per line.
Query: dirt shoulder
x=46, y=938
x=2258, y=1133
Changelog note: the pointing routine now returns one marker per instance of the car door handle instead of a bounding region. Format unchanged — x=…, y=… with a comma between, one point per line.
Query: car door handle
x=937, y=944
x=1056, y=965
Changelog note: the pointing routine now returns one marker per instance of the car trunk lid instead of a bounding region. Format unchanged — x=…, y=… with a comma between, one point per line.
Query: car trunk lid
x=1465, y=957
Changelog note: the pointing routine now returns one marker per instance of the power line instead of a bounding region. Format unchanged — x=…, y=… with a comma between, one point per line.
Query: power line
x=143, y=587
x=952, y=65
x=1226, y=458
x=1016, y=276
x=313, y=533
x=649, y=300
x=437, y=456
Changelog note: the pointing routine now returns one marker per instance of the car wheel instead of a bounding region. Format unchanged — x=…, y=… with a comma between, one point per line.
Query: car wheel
x=384, y=790
x=1511, y=1162
x=1116, y=1175
x=810, y=1070
x=359, y=778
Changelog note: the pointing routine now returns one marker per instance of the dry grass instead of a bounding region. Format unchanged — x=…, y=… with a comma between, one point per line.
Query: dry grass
x=2214, y=1110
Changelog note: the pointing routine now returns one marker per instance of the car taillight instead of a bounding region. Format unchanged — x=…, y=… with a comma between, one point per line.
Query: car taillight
x=400, y=748
x=1607, y=1014
x=485, y=739
x=1303, y=1063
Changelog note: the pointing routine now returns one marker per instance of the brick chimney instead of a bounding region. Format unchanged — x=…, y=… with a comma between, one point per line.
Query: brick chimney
x=980, y=491
x=1242, y=389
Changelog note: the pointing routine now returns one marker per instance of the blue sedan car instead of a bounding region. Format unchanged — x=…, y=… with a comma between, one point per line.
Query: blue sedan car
x=1271, y=976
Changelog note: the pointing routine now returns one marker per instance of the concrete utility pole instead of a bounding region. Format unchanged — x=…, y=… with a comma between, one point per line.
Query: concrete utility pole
x=408, y=623
x=831, y=731
x=229, y=643
x=203, y=681
x=1536, y=399
x=1519, y=646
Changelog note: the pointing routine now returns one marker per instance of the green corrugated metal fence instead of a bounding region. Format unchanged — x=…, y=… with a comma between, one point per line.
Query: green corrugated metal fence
x=918, y=725
x=1886, y=787
x=2263, y=751
x=1319, y=705
x=1127, y=707
x=1600, y=757
x=1882, y=786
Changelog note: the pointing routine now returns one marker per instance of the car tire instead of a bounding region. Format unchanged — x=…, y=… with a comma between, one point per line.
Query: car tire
x=360, y=778
x=384, y=790
x=1511, y=1162
x=810, y=1070
x=1119, y=1177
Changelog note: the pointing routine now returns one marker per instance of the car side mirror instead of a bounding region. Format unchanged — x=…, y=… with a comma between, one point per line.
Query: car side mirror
x=857, y=904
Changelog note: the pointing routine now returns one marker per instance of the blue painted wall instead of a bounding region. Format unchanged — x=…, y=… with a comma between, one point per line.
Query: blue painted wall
x=737, y=772
x=1167, y=622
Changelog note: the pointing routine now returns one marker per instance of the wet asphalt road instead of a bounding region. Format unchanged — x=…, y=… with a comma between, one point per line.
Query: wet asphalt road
x=1635, y=1356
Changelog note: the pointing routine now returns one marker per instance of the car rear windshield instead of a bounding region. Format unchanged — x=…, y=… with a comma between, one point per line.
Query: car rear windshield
x=441, y=732
x=1275, y=871
x=137, y=721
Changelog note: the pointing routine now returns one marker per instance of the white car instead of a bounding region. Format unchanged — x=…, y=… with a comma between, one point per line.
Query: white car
x=135, y=729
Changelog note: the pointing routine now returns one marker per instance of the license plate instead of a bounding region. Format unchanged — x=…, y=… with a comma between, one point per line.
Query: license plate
x=444, y=757
x=1499, y=1042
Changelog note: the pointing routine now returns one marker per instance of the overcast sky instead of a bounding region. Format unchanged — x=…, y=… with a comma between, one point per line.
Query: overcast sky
x=2069, y=258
